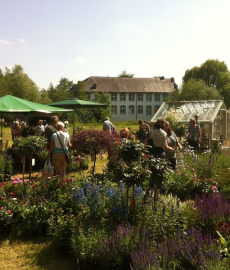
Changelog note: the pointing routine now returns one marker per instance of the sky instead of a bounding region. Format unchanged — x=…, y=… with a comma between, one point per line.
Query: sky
x=76, y=39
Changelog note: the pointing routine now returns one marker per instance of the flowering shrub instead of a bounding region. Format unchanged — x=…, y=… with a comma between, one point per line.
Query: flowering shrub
x=213, y=210
x=190, y=250
x=94, y=142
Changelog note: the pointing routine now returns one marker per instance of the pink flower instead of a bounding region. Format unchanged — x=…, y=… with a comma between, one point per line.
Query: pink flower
x=214, y=187
x=1, y=207
x=2, y=198
x=11, y=194
x=10, y=211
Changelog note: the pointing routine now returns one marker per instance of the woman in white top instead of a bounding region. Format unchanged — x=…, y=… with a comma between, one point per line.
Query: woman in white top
x=40, y=129
x=60, y=144
x=158, y=135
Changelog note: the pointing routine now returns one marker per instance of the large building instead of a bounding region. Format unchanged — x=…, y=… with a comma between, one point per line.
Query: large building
x=132, y=98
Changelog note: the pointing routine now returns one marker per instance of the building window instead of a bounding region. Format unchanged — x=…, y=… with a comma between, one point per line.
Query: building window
x=140, y=97
x=148, y=97
x=148, y=110
x=131, y=97
x=122, y=97
x=157, y=97
x=140, y=109
x=122, y=109
x=113, y=97
x=156, y=108
x=131, y=109
x=114, y=109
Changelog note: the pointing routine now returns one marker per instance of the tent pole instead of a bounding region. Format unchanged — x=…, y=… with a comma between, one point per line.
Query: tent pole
x=73, y=120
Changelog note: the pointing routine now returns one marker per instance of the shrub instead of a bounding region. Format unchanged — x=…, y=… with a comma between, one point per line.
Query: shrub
x=189, y=250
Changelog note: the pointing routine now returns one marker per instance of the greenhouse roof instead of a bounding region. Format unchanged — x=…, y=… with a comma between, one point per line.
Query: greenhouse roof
x=184, y=110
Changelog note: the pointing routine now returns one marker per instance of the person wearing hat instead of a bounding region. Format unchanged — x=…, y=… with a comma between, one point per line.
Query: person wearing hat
x=108, y=126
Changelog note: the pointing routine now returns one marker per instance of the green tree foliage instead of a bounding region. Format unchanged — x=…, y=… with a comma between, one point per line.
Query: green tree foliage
x=45, y=99
x=124, y=74
x=78, y=90
x=61, y=91
x=101, y=113
x=212, y=72
x=17, y=83
x=215, y=74
x=194, y=90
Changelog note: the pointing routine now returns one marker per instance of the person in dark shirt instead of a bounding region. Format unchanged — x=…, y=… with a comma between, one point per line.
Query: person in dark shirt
x=50, y=129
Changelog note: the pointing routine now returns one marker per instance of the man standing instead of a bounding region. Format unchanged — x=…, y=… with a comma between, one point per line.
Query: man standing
x=108, y=126
x=196, y=116
x=50, y=129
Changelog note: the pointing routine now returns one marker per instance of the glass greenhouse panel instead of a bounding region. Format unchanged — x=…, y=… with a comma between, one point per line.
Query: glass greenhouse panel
x=184, y=110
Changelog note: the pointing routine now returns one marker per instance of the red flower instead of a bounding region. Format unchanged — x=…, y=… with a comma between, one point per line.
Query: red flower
x=1, y=207
x=11, y=194
x=10, y=211
x=2, y=198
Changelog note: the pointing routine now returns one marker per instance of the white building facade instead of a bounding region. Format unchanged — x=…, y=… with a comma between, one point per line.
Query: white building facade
x=132, y=98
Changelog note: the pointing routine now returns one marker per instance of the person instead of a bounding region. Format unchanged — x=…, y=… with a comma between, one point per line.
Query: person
x=144, y=130
x=60, y=144
x=158, y=136
x=124, y=133
x=16, y=130
x=40, y=129
x=50, y=129
x=159, y=145
x=108, y=126
x=194, y=135
x=172, y=142
x=196, y=117
x=45, y=124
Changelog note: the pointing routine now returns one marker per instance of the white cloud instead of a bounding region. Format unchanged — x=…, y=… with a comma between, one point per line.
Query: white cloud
x=21, y=40
x=5, y=42
x=80, y=59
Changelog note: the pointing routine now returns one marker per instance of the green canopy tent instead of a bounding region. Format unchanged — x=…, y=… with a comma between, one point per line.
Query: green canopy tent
x=11, y=104
x=74, y=103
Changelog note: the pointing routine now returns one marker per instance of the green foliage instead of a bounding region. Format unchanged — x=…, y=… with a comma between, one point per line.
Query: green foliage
x=212, y=72
x=60, y=91
x=124, y=74
x=6, y=166
x=17, y=83
x=195, y=90
x=101, y=113
x=29, y=145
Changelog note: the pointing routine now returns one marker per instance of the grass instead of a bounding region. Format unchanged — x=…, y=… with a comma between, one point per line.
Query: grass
x=34, y=254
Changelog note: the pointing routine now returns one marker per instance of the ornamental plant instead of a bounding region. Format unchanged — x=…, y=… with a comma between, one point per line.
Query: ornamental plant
x=29, y=146
x=94, y=142
x=187, y=250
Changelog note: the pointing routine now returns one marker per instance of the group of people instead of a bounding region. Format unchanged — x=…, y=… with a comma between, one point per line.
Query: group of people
x=163, y=142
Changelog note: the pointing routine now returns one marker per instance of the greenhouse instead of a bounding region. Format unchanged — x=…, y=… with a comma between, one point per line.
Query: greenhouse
x=214, y=118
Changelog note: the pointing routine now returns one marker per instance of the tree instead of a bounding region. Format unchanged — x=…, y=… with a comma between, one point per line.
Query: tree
x=18, y=83
x=61, y=91
x=101, y=113
x=78, y=90
x=212, y=72
x=124, y=74
x=45, y=97
x=226, y=95
x=194, y=90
